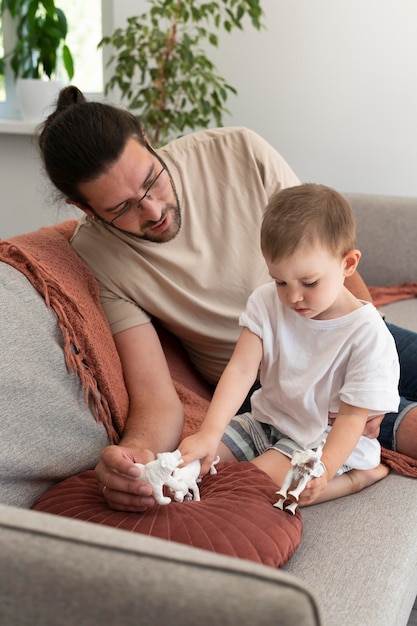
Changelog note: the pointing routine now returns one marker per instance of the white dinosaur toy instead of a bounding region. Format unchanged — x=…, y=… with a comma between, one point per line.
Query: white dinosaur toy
x=305, y=465
x=180, y=481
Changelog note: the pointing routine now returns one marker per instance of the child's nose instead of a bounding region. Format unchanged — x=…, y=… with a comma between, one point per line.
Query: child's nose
x=294, y=295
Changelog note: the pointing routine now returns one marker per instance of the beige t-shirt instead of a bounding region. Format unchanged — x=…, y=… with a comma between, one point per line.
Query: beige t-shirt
x=197, y=284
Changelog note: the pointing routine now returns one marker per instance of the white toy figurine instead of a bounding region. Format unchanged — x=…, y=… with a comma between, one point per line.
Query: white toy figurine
x=187, y=478
x=158, y=473
x=305, y=465
x=164, y=470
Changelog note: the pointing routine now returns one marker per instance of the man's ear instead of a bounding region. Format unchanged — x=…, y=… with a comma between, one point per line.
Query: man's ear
x=147, y=142
x=80, y=206
x=350, y=262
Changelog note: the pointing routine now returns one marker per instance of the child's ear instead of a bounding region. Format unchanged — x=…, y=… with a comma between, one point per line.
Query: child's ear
x=350, y=262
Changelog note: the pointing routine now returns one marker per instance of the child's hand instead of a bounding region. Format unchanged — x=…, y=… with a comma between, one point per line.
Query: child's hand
x=313, y=489
x=199, y=446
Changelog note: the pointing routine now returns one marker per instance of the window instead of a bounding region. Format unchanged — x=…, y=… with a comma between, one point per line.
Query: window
x=85, y=28
x=2, y=90
x=84, y=33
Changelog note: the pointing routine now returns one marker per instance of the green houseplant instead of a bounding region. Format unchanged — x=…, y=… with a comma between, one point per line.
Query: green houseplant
x=161, y=67
x=37, y=53
x=41, y=30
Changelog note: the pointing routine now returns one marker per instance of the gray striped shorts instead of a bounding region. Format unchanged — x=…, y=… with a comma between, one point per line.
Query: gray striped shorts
x=247, y=438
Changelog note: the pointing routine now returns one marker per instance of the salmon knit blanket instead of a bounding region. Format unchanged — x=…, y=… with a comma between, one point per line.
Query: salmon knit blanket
x=400, y=463
x=392, y=293
x=48, y=261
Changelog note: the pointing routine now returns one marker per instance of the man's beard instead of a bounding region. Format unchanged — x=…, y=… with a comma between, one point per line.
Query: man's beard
x=165, y=236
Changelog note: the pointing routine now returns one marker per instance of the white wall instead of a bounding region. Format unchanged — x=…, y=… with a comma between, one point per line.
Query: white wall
x=331, y=84
x=26, y=199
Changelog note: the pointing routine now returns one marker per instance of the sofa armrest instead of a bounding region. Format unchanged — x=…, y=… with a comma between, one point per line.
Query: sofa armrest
x=58, y=570
x=387, y=238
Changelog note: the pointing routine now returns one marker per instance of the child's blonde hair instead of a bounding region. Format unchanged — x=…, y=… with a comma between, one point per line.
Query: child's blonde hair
x=299, y=217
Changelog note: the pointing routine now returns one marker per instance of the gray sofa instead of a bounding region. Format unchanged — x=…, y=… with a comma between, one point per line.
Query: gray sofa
x=356, y=564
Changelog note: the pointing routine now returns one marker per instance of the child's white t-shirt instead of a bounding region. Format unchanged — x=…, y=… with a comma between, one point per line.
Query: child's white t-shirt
x=309, y=366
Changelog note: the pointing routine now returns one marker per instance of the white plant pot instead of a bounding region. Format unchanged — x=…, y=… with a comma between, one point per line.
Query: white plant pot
x=37, y=97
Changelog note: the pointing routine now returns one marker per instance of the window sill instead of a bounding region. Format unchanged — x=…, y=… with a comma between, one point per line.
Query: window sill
x=17, y=127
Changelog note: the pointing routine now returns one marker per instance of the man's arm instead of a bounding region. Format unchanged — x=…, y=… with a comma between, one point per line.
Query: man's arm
x=154, y=423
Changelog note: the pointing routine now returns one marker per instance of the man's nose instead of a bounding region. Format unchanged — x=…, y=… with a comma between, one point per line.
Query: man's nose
x=151, y=209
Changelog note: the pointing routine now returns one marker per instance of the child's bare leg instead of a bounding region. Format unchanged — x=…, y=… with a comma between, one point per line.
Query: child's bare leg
x=351, y=482
x=276, y=465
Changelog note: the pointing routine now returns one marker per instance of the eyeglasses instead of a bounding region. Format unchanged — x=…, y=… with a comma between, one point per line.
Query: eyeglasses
x=124, y=213
x=159, y=184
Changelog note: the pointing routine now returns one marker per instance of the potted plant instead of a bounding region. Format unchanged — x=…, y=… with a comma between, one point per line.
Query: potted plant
x=161, y=67
x=39, y=56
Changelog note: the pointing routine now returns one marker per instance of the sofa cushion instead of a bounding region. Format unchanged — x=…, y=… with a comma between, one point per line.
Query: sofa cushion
x=47, y=431
x=389, y=251
x=359, y=555
x=71, y=291
x=402, y=313
x=235, y=516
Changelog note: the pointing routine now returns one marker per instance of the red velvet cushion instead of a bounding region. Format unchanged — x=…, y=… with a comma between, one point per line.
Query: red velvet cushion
x=234, y=517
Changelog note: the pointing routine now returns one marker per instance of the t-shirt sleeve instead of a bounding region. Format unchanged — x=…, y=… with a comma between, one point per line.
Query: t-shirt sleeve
x=256, y=314
x=276, y=173
x=373, y=373
x=121, y=313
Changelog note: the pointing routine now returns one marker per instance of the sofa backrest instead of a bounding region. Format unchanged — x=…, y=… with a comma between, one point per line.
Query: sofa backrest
x=387, y=238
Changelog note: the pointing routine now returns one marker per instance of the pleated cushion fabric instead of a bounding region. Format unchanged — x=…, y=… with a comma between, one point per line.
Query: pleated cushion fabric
x=235, y=516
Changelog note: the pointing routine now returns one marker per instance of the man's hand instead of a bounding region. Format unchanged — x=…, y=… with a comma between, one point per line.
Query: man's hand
x=154, y=422
x=118, y=479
